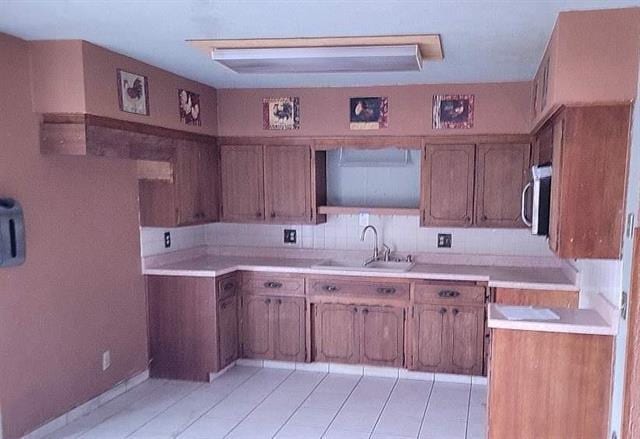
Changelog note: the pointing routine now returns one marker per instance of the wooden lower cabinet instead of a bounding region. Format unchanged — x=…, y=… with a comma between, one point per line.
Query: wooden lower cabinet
x=358, y=334
x=543, y=298
x=549, y=385
x=448, y=339
x=228, y=337
x=273, y=328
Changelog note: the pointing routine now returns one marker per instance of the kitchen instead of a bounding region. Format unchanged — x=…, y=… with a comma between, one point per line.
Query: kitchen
x=318, y=255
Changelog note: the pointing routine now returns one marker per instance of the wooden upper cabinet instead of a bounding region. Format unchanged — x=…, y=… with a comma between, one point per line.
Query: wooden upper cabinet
x=289, y=328
x=192, y=197
x=336, y=333
x=542, y=152
x=382, y=335
x=242, y=176
x=501, y=173
x=287, y=183
x=447, y=185
x=590, y=151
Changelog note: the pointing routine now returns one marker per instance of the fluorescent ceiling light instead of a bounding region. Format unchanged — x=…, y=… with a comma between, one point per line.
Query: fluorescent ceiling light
x=337, y=59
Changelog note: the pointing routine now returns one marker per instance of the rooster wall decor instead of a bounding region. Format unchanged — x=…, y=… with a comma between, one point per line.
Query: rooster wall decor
x=133, y=93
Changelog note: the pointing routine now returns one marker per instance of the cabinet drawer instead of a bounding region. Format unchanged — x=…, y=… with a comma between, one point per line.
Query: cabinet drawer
x=448, y=293
x=278, y=284
x=355, y=287
x=227, y=286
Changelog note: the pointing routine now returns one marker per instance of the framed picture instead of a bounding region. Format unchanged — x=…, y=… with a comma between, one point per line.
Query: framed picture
x=281, y=113
x=453, y=111
x=189, y=107
x=371, y=113
x=133, y=92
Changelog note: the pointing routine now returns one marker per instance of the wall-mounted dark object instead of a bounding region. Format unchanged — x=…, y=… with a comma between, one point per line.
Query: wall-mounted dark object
x=12, y=242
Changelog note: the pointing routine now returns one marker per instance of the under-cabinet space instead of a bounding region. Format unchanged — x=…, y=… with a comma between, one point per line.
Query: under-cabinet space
x=541, y=298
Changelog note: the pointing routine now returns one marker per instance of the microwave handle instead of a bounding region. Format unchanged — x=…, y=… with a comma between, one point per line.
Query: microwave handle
x=522, y=208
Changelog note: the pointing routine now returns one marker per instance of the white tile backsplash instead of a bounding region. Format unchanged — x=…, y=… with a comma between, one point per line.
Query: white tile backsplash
x=152, y=239
x=401, y=233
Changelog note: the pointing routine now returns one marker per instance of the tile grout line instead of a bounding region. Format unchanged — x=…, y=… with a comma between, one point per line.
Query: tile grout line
x=426, y=407
x=259, y=403
x=386, y=402
x=341, y=406
x=210, y=408
x=84, y=432
x=466, y=426
x=300, y=405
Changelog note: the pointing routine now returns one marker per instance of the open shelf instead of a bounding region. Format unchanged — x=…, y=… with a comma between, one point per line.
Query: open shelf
x=354, y=210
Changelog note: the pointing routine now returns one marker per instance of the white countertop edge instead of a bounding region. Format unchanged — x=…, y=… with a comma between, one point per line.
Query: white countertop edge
x=167, y=271
x=546, y=326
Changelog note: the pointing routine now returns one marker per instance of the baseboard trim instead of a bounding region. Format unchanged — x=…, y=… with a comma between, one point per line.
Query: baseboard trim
x=87, y=407
x=362, y=370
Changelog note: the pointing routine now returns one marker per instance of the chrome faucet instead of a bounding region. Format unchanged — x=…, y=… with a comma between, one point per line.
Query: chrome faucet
x=375, y=255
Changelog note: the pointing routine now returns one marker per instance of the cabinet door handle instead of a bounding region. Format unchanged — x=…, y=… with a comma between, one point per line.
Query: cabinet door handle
x=448, y=293
x=223, y=306
x=279, y=301
x=355, y=309
x=228, y=286
x=365, y=311
x=273, y=214
x=258, y=215
x=443, y=311
x=273, y=285
x=330, y=288
x=455, y=311
x=267, y=301
x=386, y=290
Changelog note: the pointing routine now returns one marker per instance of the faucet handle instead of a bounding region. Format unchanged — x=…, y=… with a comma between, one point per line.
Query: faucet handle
x=386, y=252
x=409, y=258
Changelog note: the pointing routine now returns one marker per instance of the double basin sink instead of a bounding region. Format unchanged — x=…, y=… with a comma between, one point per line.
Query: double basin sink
x=379, y=266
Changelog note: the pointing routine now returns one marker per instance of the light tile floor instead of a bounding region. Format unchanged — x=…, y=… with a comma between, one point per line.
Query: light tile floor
x=250, y=402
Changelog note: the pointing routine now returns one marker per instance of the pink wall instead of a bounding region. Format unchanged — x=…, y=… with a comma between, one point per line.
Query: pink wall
x=102, y=94
x=500, y=108
x=594, y=57
x=80, y=291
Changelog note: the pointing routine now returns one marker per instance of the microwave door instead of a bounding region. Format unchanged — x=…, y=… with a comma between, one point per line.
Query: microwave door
x=535, y=208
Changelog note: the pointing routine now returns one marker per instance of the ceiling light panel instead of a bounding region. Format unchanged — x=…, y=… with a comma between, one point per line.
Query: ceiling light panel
x=338, y=59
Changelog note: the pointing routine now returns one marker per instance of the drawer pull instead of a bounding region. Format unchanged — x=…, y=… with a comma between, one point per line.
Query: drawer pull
x=228, y=286
x=448, y=293
x=365, y=311
x=223, y=306
x=443, y=311
x=455, y=311
x=330, y=288
x=279, y=301
x=267, y=301
x=386, y=290
x=273, y=285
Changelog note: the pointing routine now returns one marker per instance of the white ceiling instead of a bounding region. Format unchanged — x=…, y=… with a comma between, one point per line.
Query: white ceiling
x=484, y=41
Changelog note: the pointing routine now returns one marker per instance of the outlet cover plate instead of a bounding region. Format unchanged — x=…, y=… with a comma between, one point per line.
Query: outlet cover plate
x=444, y=240
x=290, y=236
x=167, y=239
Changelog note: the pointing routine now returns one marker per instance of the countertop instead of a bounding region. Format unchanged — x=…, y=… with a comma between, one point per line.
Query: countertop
x=542, y=278
x=573, y=321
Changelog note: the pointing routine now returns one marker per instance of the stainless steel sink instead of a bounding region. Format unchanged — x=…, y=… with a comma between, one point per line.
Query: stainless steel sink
x=351, y=265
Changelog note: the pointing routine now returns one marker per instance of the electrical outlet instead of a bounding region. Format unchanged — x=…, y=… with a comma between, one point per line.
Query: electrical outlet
x=444, y=240
x=290, y=236
x=167, y=239
x=106, y=360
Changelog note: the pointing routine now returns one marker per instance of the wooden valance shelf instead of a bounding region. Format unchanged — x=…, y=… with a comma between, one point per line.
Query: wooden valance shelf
x=354, y=210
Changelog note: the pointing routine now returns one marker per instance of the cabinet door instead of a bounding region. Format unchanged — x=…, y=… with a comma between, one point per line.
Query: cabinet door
x=208, y=184
x=501, y=174
x=289, y=328
x=186, y=180
x=543, y=146
x=467, y=339
x=287, y=177
x=256, y=327
x=447, y=185
x=382, y=336
x=228, y=330
x=336, y=333
x=430, y=338
x=242, y=183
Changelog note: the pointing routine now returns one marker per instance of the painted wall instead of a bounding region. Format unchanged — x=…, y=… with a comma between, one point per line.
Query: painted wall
x=79, y=77
x=499, y=108
x=80, y=291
